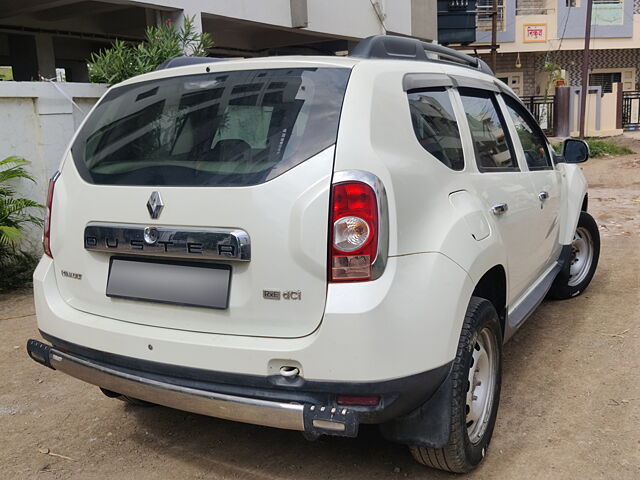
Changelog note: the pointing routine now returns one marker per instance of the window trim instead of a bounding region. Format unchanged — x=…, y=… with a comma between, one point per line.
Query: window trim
x=421, y=81
x=474, y=83
x=506, y=127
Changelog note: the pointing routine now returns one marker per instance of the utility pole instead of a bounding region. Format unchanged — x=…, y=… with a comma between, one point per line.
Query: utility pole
x=494, y=36
x=585, y=69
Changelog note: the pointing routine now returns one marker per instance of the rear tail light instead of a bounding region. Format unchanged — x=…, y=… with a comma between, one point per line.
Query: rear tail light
x=354, y=232
x=46, y=235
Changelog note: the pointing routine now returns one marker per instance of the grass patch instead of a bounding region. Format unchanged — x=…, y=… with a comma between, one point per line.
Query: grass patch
x=599, y=148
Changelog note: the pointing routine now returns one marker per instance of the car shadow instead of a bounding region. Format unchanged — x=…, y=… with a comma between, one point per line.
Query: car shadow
x=240, y=450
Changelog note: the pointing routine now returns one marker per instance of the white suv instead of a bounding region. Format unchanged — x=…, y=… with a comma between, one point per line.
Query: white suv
x=312, y=243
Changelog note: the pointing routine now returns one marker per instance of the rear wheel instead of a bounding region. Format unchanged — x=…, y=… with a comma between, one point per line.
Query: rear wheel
x=476, y=375
x=585, y=252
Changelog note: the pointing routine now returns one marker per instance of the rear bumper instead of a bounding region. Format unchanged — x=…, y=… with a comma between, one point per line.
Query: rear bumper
x=298, y=405
x=249, y=410
x=405, y=323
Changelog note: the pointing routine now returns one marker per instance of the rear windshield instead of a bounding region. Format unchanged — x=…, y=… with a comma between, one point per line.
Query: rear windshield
x=218, y=129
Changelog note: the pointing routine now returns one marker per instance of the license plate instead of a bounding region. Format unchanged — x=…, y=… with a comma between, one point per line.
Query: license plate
x=178, y=283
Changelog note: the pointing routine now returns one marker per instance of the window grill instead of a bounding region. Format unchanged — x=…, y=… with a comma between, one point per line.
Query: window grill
x=605, y=80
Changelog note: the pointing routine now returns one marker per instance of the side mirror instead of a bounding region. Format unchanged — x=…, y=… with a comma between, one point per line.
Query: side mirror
x=575, y=151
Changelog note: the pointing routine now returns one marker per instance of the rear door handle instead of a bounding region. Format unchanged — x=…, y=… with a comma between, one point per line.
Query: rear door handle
x=499, y=208
x=543, y=196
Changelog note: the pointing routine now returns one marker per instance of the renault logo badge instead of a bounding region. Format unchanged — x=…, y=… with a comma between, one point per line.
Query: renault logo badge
x=155, y=205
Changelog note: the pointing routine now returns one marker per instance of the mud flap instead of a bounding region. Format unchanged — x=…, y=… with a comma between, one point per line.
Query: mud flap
x=427, y=426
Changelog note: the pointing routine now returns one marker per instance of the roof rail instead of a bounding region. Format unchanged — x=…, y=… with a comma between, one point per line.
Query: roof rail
x=185, y=60
x=404, y=48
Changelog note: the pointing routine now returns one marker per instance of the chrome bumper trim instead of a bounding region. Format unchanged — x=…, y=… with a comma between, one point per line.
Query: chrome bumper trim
x=288, y=416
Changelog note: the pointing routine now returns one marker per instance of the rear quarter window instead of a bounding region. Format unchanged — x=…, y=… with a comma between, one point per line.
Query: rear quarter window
x=232, y=128
x=435, y=126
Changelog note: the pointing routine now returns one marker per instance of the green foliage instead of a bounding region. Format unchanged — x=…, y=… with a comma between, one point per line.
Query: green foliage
x=17, y=270
x=15, y=216
x=555, y=74
x=123, y=60
x=602, y=148
x=599, y=148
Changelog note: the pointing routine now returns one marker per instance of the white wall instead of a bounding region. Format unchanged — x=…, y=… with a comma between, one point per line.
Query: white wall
x=37, y=122
x=345, y=18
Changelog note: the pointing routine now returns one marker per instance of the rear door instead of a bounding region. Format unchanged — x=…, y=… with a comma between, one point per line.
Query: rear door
x=545, y=183
x=502, y=186
x=232, y=171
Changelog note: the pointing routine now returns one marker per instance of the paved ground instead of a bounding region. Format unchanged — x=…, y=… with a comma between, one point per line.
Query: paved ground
x=570, y=405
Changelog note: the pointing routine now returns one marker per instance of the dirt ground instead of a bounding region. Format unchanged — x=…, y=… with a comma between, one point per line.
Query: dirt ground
x=570, y=405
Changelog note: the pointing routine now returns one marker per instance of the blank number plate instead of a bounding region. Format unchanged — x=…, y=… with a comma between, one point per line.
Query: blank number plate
x=180, y=283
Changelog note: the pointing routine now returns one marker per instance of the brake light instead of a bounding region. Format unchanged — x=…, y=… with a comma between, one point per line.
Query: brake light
x=353, y=232
x=46, y=235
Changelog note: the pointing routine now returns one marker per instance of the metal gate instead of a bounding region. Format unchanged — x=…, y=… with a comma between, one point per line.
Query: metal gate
x=631, y=110
x=541, y=107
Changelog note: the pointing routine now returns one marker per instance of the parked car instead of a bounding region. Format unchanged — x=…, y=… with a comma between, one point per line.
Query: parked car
x=312, y=243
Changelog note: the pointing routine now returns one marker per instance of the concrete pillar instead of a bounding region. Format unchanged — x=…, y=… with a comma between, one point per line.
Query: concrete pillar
x=46, y=56
x=424, y=19
x=562, y=112
x=618, y=88
x=299, y=13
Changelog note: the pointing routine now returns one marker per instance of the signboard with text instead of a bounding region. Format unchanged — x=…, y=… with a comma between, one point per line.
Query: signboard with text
x=535, y=32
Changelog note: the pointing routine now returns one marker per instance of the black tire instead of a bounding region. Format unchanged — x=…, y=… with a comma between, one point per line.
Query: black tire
x=461, y=454
x=566, y=285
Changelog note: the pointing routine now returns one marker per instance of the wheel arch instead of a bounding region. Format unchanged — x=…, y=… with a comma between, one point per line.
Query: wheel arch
x=574, y=200
x=492, y=286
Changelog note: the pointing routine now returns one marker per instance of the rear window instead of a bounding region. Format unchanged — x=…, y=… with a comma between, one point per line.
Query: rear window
x=218, y=129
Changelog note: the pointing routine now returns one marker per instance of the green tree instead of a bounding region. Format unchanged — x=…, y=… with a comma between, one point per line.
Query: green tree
x=124, y=60
x=15, y=215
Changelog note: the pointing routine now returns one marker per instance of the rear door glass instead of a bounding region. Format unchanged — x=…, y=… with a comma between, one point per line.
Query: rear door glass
x=220, y=129
x=531, y=137
x=491, y=143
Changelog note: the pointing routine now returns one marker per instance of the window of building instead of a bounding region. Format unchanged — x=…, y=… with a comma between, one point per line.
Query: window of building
x=515, y=80
x=485, y=15
x=491, y=144
x=605, y=80
x=434, y=124
x=531, y=137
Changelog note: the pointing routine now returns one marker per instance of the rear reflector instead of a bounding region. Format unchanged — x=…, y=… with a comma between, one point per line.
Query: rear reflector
x=46, y=234
x=354, y=400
